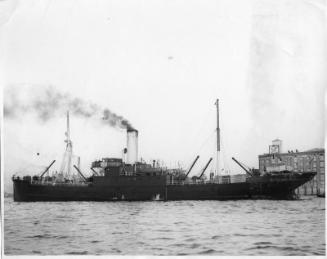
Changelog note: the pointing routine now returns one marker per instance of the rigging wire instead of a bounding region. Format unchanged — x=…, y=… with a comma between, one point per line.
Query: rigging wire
x=196, y=135
x=224, y=154
x=201, y=148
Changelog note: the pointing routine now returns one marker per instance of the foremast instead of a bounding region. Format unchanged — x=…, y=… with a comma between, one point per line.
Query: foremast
x=66, y=166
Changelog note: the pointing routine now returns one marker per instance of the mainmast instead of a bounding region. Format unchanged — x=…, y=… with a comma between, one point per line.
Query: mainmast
x=69, y=147
x=218, y=137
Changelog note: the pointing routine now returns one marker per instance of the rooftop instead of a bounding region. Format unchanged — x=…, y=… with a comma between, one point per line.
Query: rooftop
x=313, y=150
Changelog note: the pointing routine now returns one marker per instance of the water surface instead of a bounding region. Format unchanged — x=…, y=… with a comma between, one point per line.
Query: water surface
x=247, y=227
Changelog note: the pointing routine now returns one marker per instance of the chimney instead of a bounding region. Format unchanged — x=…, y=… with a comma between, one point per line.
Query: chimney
x=132, y=146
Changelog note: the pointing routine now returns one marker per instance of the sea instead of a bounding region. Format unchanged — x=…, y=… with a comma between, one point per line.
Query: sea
x=244, y=227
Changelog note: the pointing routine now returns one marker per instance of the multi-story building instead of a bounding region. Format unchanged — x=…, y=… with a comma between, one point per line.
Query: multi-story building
x=298, y=161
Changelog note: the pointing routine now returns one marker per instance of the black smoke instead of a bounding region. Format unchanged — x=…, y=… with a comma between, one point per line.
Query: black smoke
x=47, y=103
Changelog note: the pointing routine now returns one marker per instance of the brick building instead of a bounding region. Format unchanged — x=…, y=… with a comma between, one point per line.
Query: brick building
x=310, y=160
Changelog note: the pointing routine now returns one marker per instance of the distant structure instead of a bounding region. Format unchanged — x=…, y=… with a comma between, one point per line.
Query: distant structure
x=294, y=160
x=276, y=146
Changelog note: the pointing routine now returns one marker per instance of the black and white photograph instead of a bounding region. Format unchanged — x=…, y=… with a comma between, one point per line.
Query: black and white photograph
x=163, y=127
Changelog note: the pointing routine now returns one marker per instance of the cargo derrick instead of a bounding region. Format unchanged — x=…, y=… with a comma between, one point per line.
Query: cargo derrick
x=196, y=159
x=95, y=173
x=243, y=167
x=47, y=169
x=205, y=168
x=77, y=169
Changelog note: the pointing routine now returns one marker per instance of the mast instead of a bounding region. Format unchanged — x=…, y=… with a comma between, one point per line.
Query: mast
x=218, y=137
x=68, y=130
x=65, y=168
x=69, y=147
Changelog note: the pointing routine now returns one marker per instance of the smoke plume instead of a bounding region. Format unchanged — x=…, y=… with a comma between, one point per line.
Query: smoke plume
x=47, y=103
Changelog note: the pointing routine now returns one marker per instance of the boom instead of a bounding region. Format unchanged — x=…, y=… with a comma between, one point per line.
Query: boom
x=196, y=159
x=94, y=171
x=80, y=173
x=205, y=168
x=47, y=169
x=246, y=170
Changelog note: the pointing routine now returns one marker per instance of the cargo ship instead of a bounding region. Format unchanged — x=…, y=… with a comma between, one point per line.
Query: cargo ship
x=127, y=179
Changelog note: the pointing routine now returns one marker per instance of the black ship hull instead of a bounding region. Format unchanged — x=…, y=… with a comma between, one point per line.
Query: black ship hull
x=131, y=188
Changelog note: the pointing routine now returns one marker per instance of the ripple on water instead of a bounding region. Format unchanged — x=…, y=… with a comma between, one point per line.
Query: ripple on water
x=216, y=237
x=194, y=245
x=261, y=247
x=239, y=235
x=262, y=243
x=208, y=251
x=163, y=238
x=78, y=253
x=41, y=236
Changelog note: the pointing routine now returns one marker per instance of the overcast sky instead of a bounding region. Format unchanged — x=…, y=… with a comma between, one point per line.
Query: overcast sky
x=161, y=65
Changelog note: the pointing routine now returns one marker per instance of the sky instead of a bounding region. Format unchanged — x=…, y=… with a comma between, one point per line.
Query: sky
x=161, y=65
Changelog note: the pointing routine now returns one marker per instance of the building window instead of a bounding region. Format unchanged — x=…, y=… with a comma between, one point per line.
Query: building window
x=322, y=164
x=300, y=163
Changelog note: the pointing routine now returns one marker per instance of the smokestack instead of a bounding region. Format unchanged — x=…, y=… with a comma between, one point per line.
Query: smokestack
x=132, y=146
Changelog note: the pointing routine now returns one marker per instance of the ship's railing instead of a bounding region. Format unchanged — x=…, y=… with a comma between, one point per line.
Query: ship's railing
x=58, y=184
x=202, y=182
x=191, y=183
x=30, y=180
